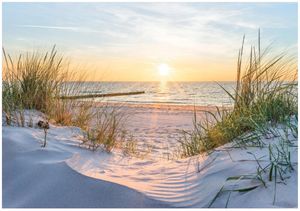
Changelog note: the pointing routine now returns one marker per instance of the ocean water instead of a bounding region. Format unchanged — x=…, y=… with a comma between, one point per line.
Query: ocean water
x=174, y=93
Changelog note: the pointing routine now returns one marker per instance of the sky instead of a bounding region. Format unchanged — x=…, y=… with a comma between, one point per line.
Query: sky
x=149, y=41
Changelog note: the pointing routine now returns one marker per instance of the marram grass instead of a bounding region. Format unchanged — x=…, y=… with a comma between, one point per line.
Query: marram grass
x=265, y=94
x=38, y=80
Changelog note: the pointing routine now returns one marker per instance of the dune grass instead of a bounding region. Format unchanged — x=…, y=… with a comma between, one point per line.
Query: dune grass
x=265, y=94
x=275, y=167
x=108, y=131
x=265, y=107
x=38, y=80
x=32, y=81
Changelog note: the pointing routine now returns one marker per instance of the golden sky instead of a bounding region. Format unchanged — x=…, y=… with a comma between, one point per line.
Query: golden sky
x=131, y=41
x=112, y=69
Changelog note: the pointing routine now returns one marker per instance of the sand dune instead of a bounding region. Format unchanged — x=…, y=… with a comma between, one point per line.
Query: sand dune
x=40, y=178
x=64, y=175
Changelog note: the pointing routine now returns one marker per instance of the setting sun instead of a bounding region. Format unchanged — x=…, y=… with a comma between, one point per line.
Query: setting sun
x=156, y=104
x=164, y=69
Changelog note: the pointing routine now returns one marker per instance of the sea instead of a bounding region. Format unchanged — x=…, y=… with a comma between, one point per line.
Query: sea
x=163, y=92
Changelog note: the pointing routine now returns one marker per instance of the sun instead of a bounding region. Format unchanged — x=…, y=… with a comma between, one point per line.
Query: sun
x=164, y=69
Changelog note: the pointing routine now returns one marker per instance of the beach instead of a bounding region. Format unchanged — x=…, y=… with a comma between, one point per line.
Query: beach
x=66, y=175
x=159, y=126
x=138, y=105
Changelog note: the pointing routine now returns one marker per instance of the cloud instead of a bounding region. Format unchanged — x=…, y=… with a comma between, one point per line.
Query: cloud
x=154, y=30
x=50, y=27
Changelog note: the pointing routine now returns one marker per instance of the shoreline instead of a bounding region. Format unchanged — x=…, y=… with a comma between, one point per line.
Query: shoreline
x=161, y=106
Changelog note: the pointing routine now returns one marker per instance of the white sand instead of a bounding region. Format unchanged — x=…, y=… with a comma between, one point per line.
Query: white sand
x=159, y=126
x=41, y=178
x=64, y=175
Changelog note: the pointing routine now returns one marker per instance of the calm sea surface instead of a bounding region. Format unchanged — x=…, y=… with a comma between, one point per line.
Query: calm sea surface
x=178, y=93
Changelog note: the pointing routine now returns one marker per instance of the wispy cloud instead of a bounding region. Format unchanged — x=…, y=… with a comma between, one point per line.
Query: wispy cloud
x=148, y=31
x=50, y=27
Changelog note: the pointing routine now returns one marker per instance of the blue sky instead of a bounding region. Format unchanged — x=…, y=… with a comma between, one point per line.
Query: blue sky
x=152, y=33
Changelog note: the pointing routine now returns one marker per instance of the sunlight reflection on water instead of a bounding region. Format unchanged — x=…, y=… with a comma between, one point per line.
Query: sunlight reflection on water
x=165, y=92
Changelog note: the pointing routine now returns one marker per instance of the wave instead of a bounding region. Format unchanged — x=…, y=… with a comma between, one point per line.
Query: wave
x=182, y=93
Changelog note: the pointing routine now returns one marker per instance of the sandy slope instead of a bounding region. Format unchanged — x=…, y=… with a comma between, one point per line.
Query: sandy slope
x=54, y=177
x=180, y=184
x=36, y=177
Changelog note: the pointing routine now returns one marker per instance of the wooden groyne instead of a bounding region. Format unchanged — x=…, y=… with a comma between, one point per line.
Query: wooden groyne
x=101, y=95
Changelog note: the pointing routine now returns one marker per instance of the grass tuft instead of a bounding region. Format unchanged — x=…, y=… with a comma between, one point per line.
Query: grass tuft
x=39, y=80
x=265, y=94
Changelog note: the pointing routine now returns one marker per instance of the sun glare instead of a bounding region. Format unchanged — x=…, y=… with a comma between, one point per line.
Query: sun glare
x=164, y=69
